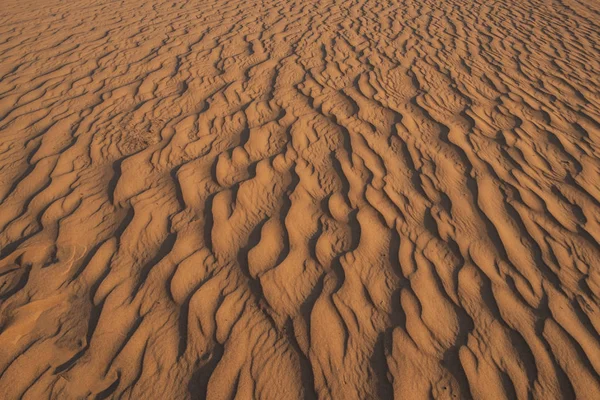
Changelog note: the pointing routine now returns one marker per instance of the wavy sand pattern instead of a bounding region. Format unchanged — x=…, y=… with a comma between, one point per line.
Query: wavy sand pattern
x=286, y=199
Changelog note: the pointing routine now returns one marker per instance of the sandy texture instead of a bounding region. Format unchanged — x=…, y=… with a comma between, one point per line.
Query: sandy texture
x=288, y=199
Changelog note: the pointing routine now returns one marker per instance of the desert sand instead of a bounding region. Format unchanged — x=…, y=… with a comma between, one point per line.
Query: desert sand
x=286, y=199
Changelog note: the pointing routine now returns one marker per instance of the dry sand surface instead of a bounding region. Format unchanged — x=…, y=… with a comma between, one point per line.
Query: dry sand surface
x=286, y=199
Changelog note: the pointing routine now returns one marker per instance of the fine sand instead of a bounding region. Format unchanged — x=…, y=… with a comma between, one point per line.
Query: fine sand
x=299, y=199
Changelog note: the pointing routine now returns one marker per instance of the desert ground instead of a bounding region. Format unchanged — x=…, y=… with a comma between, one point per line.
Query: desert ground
x=287, y=199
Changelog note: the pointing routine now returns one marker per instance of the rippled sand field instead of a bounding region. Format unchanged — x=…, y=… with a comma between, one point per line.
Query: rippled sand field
x=286, y=199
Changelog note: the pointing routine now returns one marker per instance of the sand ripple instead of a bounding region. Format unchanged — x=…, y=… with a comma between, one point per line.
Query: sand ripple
x=286, y=199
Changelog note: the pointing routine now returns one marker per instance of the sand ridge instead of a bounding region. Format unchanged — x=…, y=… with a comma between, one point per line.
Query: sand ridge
x=299, y=199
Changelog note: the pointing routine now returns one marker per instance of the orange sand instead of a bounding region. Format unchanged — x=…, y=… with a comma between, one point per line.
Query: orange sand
x=287, y=199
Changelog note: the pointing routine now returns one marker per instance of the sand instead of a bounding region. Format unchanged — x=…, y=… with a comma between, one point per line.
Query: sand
x=287, y=199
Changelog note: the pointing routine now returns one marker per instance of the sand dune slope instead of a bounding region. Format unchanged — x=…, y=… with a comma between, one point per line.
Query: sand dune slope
x=285, y=199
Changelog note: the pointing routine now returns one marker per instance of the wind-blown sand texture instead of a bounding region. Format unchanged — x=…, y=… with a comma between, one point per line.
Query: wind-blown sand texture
x=287, y=199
